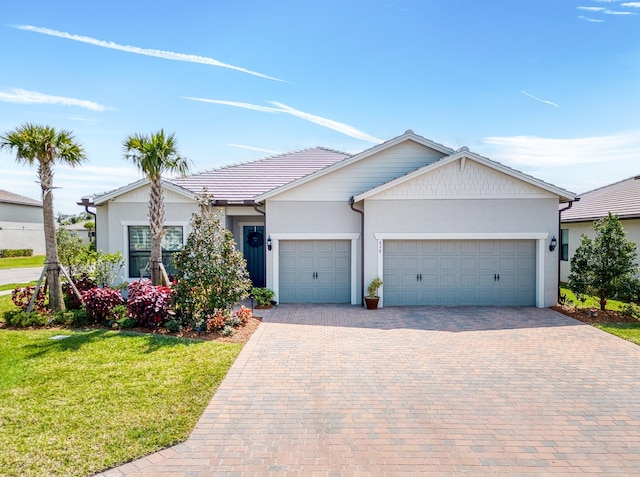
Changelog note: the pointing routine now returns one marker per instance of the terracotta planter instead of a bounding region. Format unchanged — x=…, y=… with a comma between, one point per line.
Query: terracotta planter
x=371, y=302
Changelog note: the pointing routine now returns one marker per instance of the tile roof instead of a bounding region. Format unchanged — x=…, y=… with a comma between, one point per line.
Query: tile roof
x=621, y=198
x=243, y=182
x=11, y=198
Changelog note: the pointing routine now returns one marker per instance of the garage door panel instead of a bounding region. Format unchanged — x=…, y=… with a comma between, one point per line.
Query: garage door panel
x=460, y=272
x=315, y=271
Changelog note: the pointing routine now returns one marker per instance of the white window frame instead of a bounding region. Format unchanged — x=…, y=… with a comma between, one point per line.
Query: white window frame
x=125, y=239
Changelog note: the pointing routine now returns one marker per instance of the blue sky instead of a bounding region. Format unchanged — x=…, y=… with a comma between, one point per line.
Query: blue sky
x=549, y=87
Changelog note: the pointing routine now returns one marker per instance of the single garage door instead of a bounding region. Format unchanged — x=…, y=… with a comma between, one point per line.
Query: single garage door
x=460, y=272
x=315, y=271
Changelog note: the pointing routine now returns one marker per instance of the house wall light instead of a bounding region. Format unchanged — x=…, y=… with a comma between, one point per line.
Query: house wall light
x=553, y=244
x=269, y=243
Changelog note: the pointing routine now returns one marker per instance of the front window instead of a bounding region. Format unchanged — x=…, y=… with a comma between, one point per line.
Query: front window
x=564, y=244
x=140, y=249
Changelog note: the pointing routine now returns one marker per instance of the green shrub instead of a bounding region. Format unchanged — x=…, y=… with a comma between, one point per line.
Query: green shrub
x=19, y=252
x=22, y=319
x=263, y=296
x=227, y=331
x=173, y=326
x=630, y=309
x=126, y=322
x=73, y=318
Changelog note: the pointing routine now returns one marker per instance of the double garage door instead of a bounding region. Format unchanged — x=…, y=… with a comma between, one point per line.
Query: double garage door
x=459, y=272
x=315, y=271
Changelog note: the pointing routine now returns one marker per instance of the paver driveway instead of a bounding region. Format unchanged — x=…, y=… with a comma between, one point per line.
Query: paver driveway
x=338, y=390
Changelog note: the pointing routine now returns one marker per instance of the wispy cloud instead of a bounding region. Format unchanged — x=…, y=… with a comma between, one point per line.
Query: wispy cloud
x=251, y=148
x=283, y=108
x=167, y=55
x=24, y=96
x=592, y=9
x=631, y=4
x=540, y=99
x=541, y=152
x=591, y=20
x=617, y=12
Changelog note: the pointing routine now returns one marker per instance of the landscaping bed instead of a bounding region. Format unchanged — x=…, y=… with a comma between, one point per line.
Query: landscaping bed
x=595, y=316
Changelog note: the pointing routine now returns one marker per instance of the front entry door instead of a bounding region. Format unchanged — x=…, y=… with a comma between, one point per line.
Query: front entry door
x=253, y=250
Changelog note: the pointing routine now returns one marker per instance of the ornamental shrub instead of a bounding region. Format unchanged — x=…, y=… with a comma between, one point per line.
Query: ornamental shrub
x=83, y=282
x=243, y=314
x=20, y=252
x=21, y=296
x=212, y=273
x=22, y=319
x=100, y=302
x=605, y=265
x=263, y=296
x=148, y=304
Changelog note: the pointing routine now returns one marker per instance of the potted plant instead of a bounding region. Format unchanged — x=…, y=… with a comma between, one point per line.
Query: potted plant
x=372, y=298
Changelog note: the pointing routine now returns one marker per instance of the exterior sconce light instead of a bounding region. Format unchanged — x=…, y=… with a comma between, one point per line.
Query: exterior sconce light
x=553, y=244
x=269, y=243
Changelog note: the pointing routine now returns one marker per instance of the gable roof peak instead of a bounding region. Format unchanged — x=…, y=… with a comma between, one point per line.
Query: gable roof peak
x=463, y=149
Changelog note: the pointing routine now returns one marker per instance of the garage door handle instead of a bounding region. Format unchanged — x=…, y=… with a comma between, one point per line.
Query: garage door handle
x=496, y=277
x=419, y=277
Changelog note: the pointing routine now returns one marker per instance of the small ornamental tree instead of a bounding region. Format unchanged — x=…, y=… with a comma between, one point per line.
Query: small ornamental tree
x=605, y=265
x=212, y=273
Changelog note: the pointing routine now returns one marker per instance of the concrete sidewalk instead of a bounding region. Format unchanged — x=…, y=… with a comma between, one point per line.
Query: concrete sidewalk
x=18, y=275
x=337, y=390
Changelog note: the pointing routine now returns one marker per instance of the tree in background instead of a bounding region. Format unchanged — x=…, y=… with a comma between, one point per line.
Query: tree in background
x=605, y=265
x=44, y=146
x=155, y=155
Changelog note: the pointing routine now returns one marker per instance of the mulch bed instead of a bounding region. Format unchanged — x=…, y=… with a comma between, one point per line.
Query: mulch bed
x=592, y=315
x=241, y=335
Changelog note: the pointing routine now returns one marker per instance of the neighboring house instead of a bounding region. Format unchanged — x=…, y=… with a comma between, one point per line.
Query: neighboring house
x=79, y=230
x=440, y=227
x=21, y=223
x=621, y=199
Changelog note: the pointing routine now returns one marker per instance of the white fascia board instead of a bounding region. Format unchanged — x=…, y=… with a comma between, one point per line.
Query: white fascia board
x=355, y=158
x=141, y=183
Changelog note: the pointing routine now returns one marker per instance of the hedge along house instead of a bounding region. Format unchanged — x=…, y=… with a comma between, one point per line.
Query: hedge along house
x=440, y=227
x=620, y=198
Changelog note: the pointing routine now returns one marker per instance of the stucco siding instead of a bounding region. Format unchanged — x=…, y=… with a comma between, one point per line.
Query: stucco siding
x=21, y=235
x=312, y=221
x=465, y=218
x=577, y=229
x=20, y=213
x=364, y=174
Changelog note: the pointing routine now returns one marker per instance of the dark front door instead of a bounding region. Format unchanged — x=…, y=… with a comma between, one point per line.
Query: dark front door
x=253, y=249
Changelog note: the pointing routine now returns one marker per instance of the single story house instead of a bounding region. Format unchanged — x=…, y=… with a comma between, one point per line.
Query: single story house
x=21, y=223
x=439, y=226
x=621, y=199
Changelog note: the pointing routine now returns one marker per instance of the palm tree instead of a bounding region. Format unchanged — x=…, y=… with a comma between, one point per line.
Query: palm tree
x=44, y=146
x=154, y=155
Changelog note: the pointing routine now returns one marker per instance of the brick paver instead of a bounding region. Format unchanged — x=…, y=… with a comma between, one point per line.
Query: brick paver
x=337, y=390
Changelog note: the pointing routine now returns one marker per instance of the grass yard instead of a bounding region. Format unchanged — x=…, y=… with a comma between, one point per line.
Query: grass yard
x=591, y=302
x=11, y=286
x=99, y=398
x=627, y=331
x=22, y=262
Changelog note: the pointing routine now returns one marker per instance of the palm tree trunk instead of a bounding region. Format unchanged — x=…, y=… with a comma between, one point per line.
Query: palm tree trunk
x=56, y=301
x=156, y=222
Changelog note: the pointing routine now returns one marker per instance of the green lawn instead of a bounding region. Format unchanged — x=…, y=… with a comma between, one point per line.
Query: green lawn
x=99, y=398
x=591, y=302
x=627, y=331
x=22, y=262
x=11, y=286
